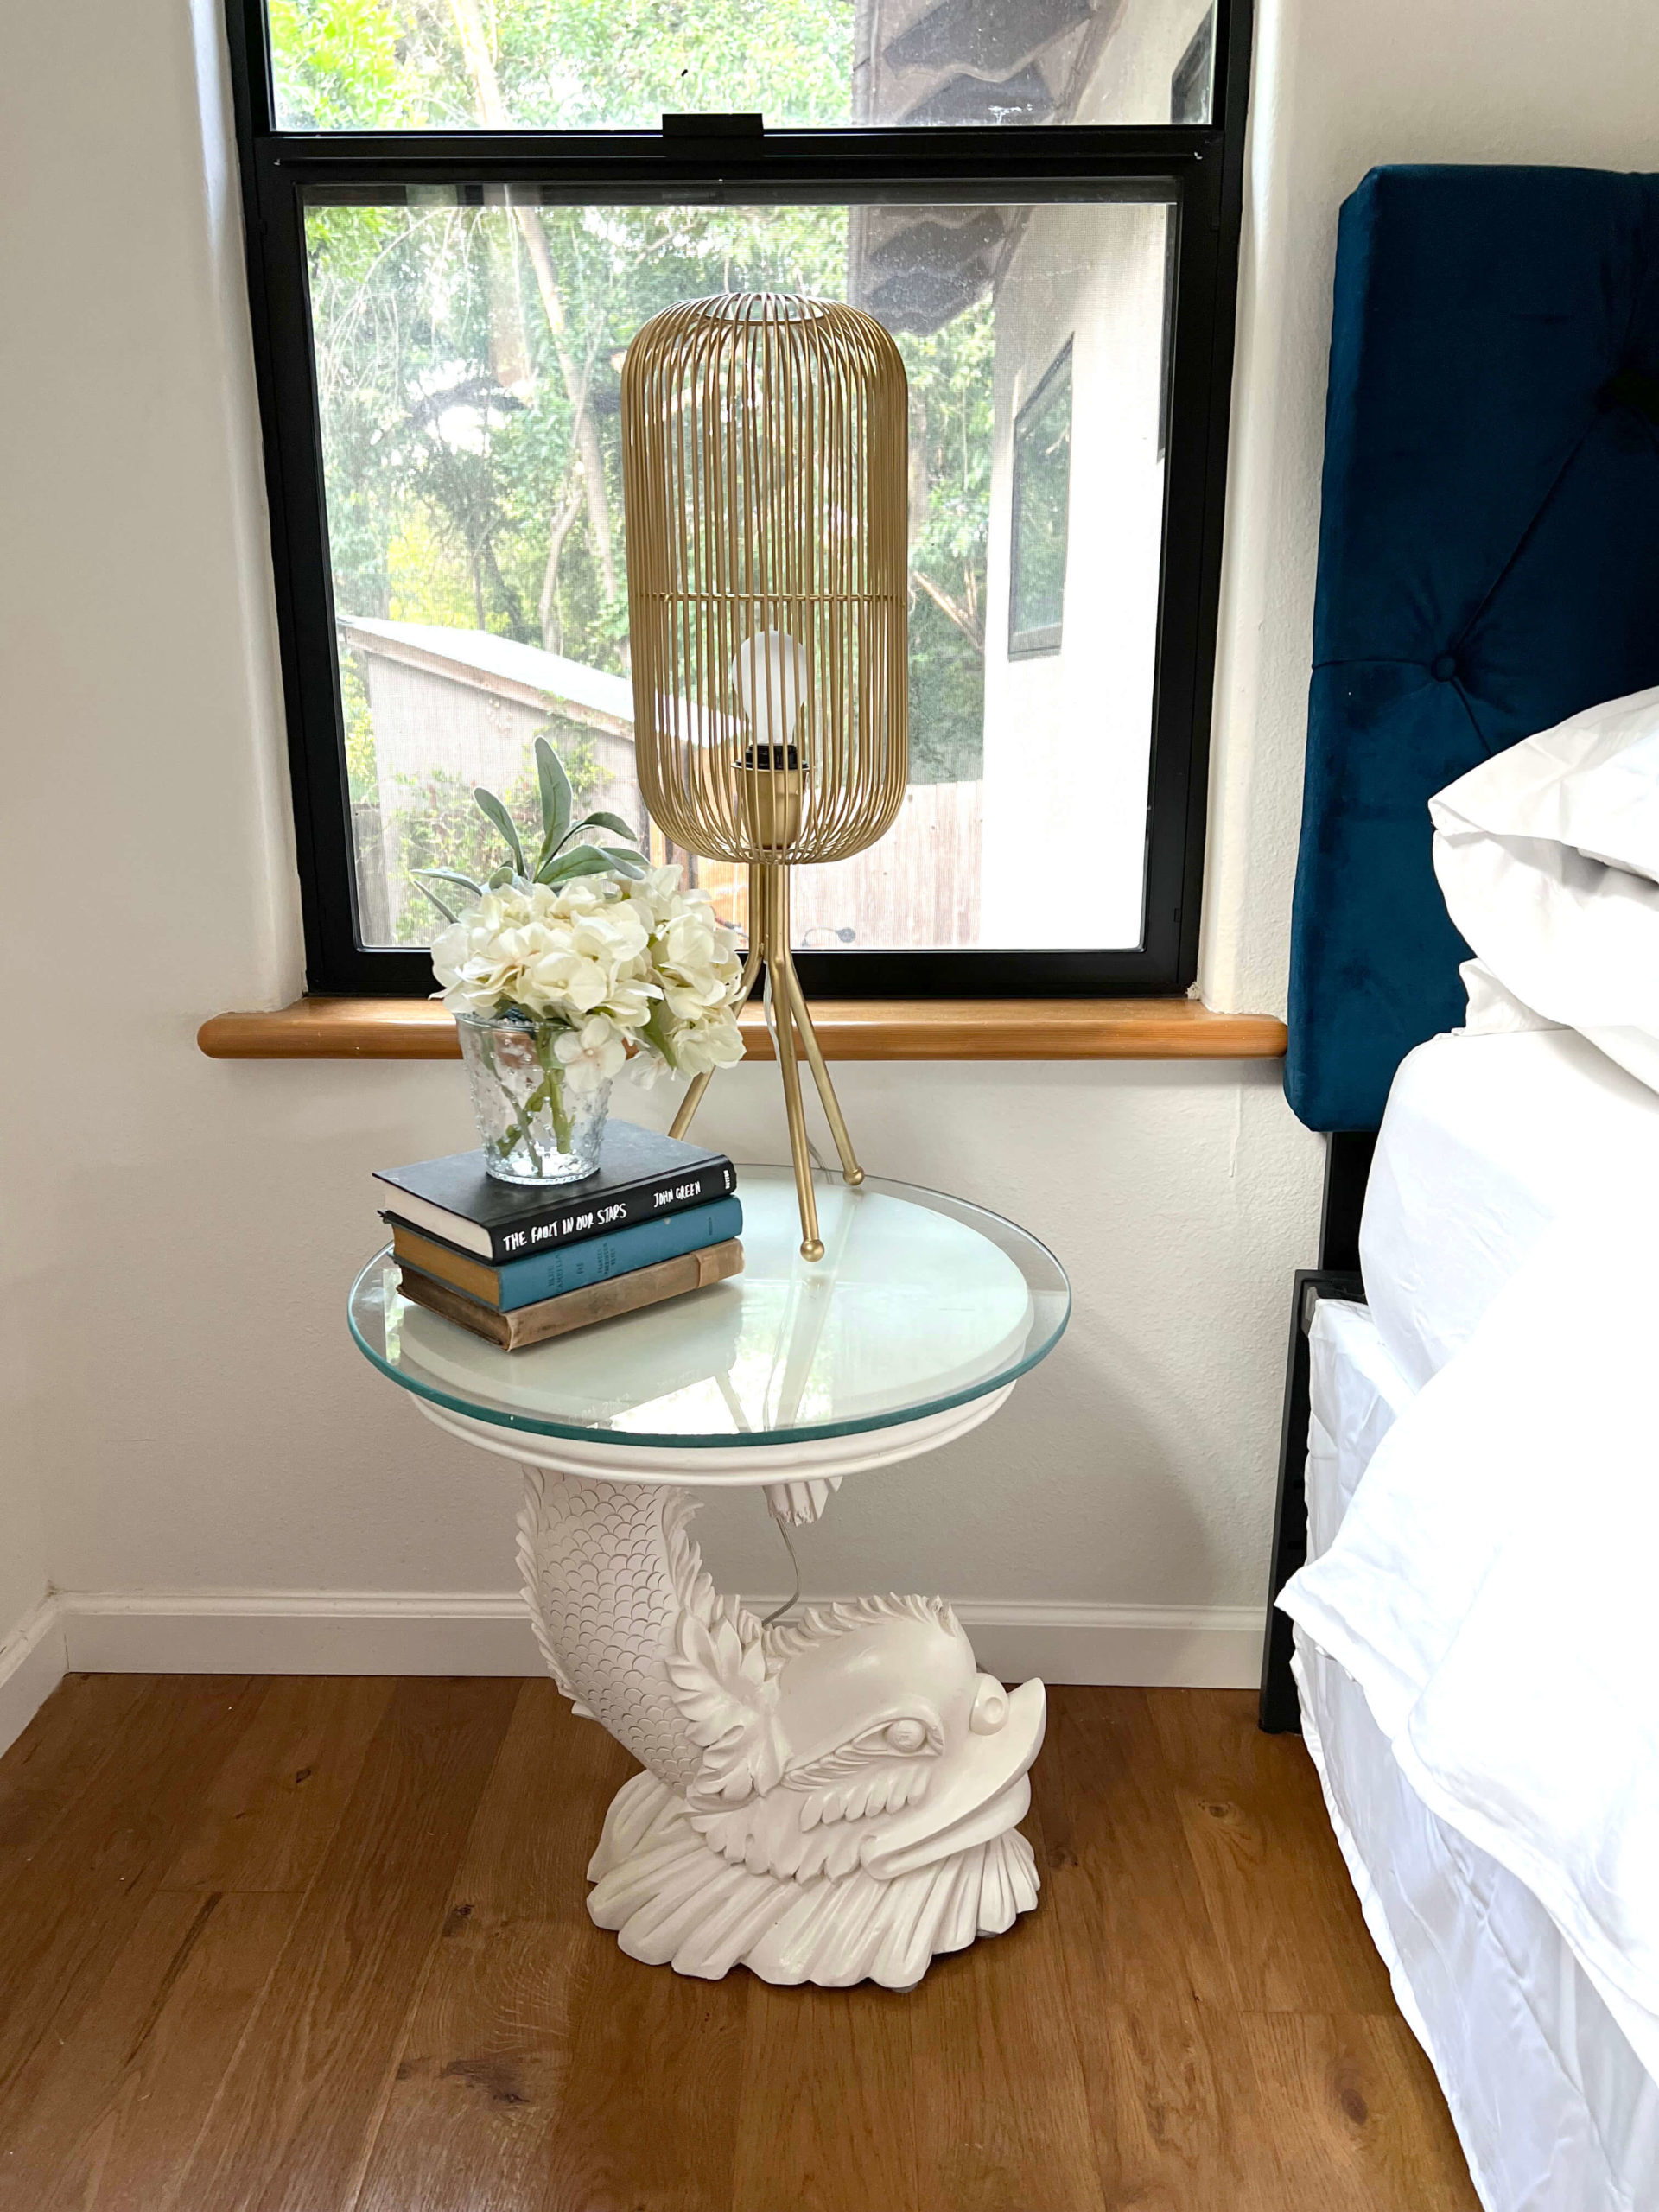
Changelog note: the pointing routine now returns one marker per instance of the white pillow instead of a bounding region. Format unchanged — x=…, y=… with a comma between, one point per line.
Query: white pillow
x=1548, y=857
x=1494, y=1012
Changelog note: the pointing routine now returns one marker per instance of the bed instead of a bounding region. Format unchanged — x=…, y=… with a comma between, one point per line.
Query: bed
x=1489, y=566
x=1555, y=2109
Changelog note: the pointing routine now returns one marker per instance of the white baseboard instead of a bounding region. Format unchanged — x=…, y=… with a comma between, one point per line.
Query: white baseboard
x=419, y=1632
x=298, y=1632
x=1170, y=1647
x=32, y=1663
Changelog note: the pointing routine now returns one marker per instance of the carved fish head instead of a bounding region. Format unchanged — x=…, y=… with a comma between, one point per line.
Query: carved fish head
x=880, y=1732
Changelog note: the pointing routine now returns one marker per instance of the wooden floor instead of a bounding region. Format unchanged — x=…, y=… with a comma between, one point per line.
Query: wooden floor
x=307, y=1945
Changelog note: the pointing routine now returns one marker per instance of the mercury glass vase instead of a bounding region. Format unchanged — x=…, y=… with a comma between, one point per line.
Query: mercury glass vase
x=534, y=1127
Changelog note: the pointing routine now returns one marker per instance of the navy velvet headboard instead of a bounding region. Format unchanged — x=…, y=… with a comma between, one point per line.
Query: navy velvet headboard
x=1489, y=561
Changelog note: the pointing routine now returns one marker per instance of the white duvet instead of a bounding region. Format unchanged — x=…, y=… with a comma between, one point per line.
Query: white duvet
x=1494, y=1590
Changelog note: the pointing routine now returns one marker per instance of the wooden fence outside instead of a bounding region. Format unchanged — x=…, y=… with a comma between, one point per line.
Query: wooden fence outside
x=919, y=886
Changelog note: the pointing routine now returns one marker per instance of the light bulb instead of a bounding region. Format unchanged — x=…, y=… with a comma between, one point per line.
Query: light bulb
x=769, y=675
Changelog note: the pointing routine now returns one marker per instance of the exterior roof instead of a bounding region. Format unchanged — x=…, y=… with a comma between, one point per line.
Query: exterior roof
x=505, y=665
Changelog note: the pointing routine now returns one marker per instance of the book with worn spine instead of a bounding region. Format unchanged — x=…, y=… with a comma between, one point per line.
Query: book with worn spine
x=640, y=1176
x=576, y=1309
x=518, y=1283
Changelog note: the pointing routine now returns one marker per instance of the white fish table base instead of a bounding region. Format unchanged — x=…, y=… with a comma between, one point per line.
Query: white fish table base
x=833, y=1799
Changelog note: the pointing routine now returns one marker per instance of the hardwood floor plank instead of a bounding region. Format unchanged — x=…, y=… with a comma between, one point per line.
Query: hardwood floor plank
x=651, y=2094
x=475, y=2115
x=1283, y=1909
x=1130, y=1898
x=54, y=1758
x=295, y=2116
x=1001, y=2109
x=77, y=1898
x=111, y=2126
x=212, y=2003
x=1357, y=2115
x=1165, y=2064
x=827, y=2120
x=1178, y=2120
x=272, y=1809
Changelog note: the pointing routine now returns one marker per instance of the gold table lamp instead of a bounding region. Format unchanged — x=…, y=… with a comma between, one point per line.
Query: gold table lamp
x=765, y=457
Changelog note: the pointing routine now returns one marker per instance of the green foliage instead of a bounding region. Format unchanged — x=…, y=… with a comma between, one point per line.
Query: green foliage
x=361, y=774
x=454, y=391
x=437, y=832
x=951, y=492
x=444, y=487
x=558, y=859
x=561, y=65
x=337, y=63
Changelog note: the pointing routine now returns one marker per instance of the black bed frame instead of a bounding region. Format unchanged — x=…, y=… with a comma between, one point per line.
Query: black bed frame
x=1347, y=1167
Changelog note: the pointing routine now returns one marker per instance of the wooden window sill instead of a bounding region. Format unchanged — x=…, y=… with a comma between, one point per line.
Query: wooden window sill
x=876, y=1029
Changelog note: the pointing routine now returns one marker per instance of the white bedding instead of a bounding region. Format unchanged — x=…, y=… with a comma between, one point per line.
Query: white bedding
x=1476, y=1623
x=1356, y=1391
x=1555, y=2111
x=1486, y=1142
x=1547, y=854
x=1492, y=1589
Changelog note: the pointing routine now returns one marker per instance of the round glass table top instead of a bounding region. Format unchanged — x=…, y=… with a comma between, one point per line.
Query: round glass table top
x=920, y=1302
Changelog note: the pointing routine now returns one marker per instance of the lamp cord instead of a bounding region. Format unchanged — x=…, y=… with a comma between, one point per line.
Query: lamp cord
x=777, y=1613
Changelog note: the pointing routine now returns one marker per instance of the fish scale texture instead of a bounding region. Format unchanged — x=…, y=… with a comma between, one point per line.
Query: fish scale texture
x=603, y=1582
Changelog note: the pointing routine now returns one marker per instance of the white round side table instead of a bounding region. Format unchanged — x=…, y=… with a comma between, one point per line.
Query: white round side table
x=831, y=1797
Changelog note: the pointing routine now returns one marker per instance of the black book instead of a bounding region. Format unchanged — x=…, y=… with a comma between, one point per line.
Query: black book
x=639, y=1176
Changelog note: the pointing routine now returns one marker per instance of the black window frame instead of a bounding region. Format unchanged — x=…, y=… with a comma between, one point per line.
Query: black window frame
x=1198, y=166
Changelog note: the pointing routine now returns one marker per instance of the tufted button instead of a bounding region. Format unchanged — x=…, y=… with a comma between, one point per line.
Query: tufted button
x=1634, y=387
x=1443, y=668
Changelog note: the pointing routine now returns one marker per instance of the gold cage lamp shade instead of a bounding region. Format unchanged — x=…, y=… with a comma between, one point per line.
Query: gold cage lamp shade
x=765, y=458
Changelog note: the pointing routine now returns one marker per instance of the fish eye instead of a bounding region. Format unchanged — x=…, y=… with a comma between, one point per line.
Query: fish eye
x=990, y=1706
x=907, y=1735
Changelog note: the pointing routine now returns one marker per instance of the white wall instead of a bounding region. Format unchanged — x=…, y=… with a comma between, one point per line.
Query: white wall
x=190, y=1415
x=149, y=862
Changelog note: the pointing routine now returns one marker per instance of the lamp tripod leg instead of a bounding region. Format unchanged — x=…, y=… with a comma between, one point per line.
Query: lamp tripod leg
x=689, y=1105
x=777, y=948
x=850, y=1171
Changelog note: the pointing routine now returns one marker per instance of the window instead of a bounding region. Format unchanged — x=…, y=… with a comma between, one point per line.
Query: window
x=1042, y=498
x=1189, y=88
x=457, y=217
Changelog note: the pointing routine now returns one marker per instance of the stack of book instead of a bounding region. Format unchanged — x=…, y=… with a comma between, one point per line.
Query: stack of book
x=518, y=1265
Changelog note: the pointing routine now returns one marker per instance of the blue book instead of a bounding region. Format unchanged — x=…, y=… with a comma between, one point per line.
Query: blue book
x=569, y=1267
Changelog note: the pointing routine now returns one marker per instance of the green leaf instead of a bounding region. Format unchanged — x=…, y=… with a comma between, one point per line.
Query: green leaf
x=625, y=861
x=449, y=876
x=581, y=860
x=656, y=1032
x=491, y=808
x=612, y=821
x=448, y=913
x=556, y=797
x=503, y=879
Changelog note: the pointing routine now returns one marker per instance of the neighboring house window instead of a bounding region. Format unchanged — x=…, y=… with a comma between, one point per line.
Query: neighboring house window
x=1189, y=88
x=458, y=215
x=1042, y=490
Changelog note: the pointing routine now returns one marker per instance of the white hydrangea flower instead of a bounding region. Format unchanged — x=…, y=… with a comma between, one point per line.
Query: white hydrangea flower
x=701, y=1047
x=638, y=972
x=592, y=1054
